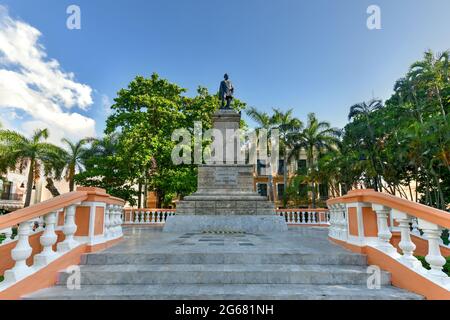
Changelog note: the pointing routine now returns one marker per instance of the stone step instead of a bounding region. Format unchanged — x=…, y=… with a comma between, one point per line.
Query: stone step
x=223, y=292
x=223, y=274
x=338, y=258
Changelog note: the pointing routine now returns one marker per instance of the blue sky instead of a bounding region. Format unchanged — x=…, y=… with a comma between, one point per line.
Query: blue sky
x=312, y=56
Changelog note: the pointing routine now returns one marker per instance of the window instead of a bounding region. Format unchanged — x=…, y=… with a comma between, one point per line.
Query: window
x=280, y=167
x=261, y=168
x=323, y=191
x=280, y=191
x=301, y=167
x=262, y=189
x=5, y=194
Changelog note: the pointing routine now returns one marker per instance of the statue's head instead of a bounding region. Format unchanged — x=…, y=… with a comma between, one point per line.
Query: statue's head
x=226, y=76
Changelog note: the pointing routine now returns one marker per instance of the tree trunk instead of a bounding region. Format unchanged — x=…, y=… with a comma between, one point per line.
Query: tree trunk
x=71, y=178
x=51, y=187
x=139, y=195
x=145, y=193
x=29, y=184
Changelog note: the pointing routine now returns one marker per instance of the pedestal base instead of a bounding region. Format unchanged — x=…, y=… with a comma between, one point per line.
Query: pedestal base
x=243, y=223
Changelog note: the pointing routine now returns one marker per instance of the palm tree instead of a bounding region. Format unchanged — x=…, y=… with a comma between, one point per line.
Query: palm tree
x=18, y=151
x=75, y=157
x=288, y=126
x=434, y=70
x=264, y=122
x=316, y=138
x=364, y=110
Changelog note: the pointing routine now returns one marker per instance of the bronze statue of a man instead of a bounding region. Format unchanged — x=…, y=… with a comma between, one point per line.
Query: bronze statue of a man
x=226, y=91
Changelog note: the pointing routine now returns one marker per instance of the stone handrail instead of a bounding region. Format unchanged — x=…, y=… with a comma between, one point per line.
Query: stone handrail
x=49, y=232
x=366, y=221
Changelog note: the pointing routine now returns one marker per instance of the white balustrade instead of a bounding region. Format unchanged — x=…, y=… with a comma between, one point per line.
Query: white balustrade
x=305, y=216
x=108, y=221
x=409, y=227
x=384, y=234
x=69, y=230
x=47, y=240
x=41, y=224
x=20, y=254
x=406, y=244
x=432, y=233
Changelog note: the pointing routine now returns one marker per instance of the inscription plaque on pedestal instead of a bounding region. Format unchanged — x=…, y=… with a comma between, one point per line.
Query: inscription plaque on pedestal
x=225, y=176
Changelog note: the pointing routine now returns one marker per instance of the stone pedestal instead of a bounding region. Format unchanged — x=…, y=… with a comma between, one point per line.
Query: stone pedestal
x=225, y=200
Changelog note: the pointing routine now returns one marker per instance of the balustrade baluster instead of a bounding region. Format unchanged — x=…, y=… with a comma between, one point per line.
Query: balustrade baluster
x=343, y=228
x=158, y=216
x=136, y=216
x=119, y=221
x=116, y=221
x=47, y=240
x=384, y=234
x=69, y=230
x=147, y=217
x=432, y=233
x=406, y=244
x=21, y=252
x=107, y=221
x=112, y=221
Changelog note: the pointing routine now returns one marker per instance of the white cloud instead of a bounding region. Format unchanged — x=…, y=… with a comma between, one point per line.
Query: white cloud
x=106, y=104
x=31, y=82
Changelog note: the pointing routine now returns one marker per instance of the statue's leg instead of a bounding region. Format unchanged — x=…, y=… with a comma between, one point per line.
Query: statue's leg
x=228, y=102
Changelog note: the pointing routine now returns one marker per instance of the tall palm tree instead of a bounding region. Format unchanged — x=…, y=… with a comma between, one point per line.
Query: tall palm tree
x=264, y=122
x=75, y=157
x=316, y=138
x=434, y=70
x=288, y=126
x=18, y=151
x=364, y=110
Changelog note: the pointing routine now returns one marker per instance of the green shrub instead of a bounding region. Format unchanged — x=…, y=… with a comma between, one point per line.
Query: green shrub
x=426, y=265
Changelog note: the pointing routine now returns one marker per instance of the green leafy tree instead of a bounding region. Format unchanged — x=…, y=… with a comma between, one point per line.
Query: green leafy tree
x=317, y=138
x=288, y=127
